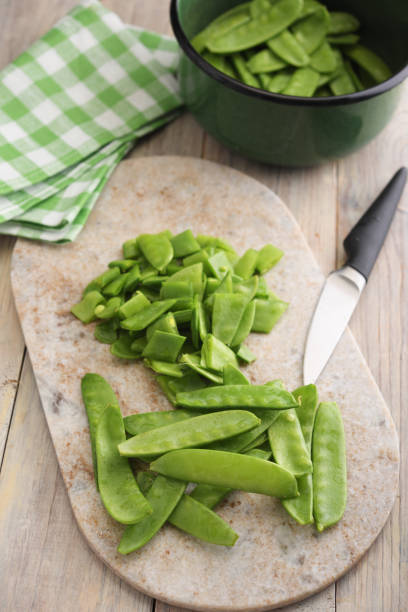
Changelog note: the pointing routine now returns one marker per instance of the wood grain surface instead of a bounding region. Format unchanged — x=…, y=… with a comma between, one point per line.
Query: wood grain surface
x=45, y=564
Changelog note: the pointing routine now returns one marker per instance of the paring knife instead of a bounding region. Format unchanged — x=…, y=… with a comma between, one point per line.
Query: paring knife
x=343, y=287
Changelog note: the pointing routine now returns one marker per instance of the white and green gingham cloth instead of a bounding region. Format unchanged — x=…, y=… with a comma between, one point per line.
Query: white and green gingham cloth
x=71, y=107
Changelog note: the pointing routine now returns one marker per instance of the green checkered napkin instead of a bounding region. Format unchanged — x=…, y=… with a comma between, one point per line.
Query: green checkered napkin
x=71, y=107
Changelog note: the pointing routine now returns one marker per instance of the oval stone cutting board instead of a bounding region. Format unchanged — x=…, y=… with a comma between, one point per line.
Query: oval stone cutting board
x=275, y=561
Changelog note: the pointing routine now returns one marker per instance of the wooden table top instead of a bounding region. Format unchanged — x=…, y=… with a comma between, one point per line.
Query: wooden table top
x=45, y=564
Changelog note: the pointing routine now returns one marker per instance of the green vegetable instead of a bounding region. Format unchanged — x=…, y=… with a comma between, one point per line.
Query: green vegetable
x=198, y=431
x=227, y=470
x=288, y=445
x=119, y=491
x=329, y=466
x=237, y=396
x=136, y=424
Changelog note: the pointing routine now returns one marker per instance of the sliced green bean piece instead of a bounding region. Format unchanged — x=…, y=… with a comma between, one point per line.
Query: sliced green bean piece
x=244, y=74
x=323, y=59
x=189, y=382
x=157, y=249
x=166, y=323
x=124, y=265
x=219, y=264
x=116, y=286
x=215, y=354
x=311, y=31
x=122, y=347
x=164, y=346
x=193, y=362
x=268, y=257
x=258, y=30
x=246, y=264
x=130, y=249
x=344, y=39
x=184, y=244
x=289, y=49
x=193, y=274
x=119, y=491
x=97, y=395
x=245, y=354
x=201, y=522
x=168, y=369
x=227, y=313
x=108, y=310
x=98, y=283
x=238, y=396
x=342, y=23
x=329, y=466
x=233, y=375
x=136, y=303
x=106, y=332
x=267, y=313
x=287, y=444
x=141, y=319
x=198, y=431
x=85, y=309
x=245, y=325
x=224, y=22
x=265, y=60
x=227, y=470
x=163, y=497
x=133, y=278
x=303, y=82
x=136, y=424
x=367, y=59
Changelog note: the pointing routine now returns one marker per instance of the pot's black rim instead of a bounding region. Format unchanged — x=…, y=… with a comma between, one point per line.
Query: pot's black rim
x=195, y=57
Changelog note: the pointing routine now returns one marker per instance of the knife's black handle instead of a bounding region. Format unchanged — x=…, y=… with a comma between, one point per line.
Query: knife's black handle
x=365, y=240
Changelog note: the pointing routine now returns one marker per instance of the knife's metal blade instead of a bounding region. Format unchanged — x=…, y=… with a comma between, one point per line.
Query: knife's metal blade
x=336, y=304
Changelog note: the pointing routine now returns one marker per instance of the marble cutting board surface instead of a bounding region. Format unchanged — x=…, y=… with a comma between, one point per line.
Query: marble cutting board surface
x=275, y=561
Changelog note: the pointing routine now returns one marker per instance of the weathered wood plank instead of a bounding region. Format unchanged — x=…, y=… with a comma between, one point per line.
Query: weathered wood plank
x=45, y=563
x=380, y=326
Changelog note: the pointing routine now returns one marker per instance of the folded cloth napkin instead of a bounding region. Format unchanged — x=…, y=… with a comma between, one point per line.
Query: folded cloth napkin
x=71, y=107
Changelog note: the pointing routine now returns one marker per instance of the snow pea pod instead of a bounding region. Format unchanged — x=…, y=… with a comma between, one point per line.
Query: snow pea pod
x=343, y=39
x=193, y=362
x=329, y=466
x=227, y=314
x=108, y=310
x=164, y=346
x=233, y=375
x=288, y=49
x=342, y=23
x=97, y=395
x=136, y=424
x=257, y=7
x=303, y=82
x=237, y=396
x=245, y=75
x=244, y=440
x=222, y=24
x=370, y=61
x=198, y=431
x=306, y=411
x=184, y=244
x=323, y=59
x=163, y=497
x=192, y=274
x=201, y=522
x=106, y=332
x=122, y=347
x=265, y=60
x=260, y=454
x=278, y=82
x=309, y=7
x=301, y=508
x=246, y=264
x=227, y=470
x=288, y=445
x=220, y=62
x=98, y=283
x=342, y=84
x=157, y=249
x=166, y=323
x=141, y=319
x=311, y=31
x=118, y=488
x=259, y=29
x=136, y=303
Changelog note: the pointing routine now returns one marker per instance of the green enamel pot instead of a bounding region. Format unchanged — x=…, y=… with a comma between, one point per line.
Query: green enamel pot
x=290, y=130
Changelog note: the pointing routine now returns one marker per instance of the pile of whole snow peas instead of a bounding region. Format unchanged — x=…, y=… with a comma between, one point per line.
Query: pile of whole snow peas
x=186, y=304
x=293, y=47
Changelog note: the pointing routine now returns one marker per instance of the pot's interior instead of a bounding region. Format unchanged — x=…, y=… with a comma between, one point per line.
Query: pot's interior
x=384, y=25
